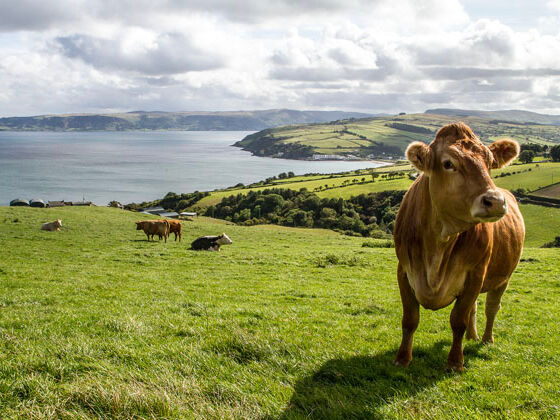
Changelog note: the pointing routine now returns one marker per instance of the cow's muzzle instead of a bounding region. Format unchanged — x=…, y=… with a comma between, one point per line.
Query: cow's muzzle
x=489, y=207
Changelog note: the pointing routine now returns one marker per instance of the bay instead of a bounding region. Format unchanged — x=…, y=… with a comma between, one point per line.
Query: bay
x=135, y=166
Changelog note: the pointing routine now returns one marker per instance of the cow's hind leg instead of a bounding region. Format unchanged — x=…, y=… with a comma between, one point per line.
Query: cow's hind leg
x=493, y=299
x=410, y=320
x=472, y=334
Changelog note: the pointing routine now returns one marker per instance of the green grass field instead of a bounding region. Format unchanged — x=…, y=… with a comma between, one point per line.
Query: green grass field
x=96, y=322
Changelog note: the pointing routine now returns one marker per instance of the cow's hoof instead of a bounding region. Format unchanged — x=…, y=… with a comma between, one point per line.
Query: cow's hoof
x=402, y=362
x=488, y=340
x=473, y=337
x=455, y=367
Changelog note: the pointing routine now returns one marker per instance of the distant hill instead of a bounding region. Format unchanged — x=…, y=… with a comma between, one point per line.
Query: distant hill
x=196, y=121
x=382, y=137
x=506, y=115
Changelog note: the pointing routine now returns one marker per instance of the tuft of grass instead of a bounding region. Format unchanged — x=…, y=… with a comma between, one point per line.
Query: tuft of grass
x=335, y=259
x=378, y=244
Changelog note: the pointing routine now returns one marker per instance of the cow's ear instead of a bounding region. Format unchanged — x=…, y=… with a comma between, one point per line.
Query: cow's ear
x=420, y=155
x=503, y=152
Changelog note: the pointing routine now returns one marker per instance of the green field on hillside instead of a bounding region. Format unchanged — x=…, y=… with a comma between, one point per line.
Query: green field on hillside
x=384, y=136
x=351, y=184
x=541, y=175
x=96, y=322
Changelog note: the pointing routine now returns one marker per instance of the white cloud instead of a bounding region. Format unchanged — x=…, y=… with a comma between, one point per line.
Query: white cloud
x=367, y=55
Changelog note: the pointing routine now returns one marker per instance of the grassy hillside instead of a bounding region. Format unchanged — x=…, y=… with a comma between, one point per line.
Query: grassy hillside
x=346, y=185
x=96, y=322
x=383, y=136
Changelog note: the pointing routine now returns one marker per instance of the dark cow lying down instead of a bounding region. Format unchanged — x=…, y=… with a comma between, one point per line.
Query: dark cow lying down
x=154, y=227
x=210, y=243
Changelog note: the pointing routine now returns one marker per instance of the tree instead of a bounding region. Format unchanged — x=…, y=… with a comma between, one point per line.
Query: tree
x=271, y=203
x=115, y=203
x=555, y=153
x=526, y=156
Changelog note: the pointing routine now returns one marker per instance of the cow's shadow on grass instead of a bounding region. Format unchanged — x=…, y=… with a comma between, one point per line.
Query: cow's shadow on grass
x=361, y=386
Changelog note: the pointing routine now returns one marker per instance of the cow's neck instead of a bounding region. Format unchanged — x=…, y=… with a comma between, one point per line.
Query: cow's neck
x=439, y=237
x=439, y=226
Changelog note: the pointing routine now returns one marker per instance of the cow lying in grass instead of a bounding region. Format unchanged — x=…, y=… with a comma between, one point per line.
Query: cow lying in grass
x=210, y=243
x=456, y=235
x=154, y=227
x=52, y=226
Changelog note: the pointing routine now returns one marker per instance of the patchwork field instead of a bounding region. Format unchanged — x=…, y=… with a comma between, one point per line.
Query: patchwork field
x=530, y=176
x=96, y=322
x=552, y=191
x=385, y=135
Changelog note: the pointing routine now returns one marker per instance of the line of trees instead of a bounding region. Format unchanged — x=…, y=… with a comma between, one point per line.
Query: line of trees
x=370, y=215
x=171, y=201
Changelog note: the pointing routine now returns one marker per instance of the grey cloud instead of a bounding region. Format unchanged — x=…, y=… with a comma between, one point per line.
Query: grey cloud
x=317, y=85
x=340, y=56
x=35, y=15
x=377, y=102
x=251, y=11
x=174, y=54
x=38, y=15
x=319, y=74
x=280, y=58
x=471, y=86
x=485, y=45
x=460, y=73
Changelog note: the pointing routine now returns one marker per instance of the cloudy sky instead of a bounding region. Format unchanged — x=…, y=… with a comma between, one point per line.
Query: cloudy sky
x=62, y=56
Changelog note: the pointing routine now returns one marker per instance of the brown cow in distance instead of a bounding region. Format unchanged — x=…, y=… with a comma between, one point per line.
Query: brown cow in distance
x=52, y=226
x=154, y=227
x=456, y=235
x=175, y=227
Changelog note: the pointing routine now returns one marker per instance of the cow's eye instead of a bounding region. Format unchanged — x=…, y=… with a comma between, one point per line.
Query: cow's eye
x=448, y=165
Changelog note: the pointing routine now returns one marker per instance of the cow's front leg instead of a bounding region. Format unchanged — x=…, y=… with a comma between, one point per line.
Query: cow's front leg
x=472, y=333
x=410, y=319
x=460, y=319
x=493, y=299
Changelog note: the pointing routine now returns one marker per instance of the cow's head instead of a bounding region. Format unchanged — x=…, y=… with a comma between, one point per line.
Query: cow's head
x=223, y=239
x=458, y=166
x=139, y=225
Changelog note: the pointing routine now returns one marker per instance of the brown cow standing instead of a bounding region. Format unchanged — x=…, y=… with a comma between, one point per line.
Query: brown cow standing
x=456, y=235
x=175, y=227
x=154, y=227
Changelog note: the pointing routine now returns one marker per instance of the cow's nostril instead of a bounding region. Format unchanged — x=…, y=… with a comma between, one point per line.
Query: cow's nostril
x=486, y=202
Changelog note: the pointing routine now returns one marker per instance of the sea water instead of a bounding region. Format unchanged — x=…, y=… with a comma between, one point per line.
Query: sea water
x=135, y=166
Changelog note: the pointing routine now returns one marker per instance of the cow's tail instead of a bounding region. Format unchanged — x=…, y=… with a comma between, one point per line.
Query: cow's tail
x=167, y=229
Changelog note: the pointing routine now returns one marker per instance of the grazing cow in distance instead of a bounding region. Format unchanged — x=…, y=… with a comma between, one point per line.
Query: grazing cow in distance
x=175, y=227
x=52, y=226
x=456, y=235
x=210, y=243
x=154, y=227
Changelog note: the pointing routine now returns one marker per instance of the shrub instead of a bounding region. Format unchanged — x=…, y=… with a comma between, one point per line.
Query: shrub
x=554, y=244
x=378, y=244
